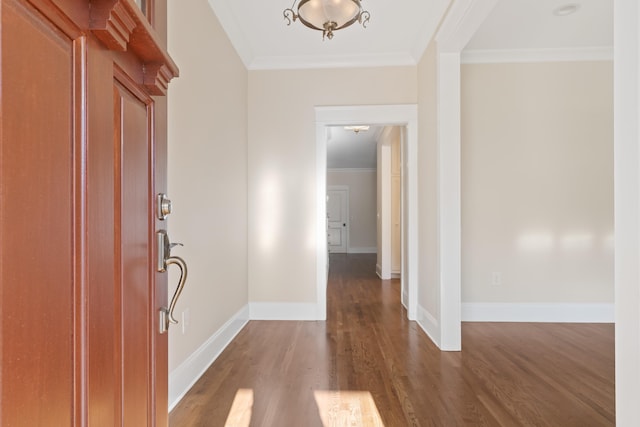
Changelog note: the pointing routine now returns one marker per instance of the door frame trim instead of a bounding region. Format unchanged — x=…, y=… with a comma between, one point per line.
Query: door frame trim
x=379, y=115
x=459, y=24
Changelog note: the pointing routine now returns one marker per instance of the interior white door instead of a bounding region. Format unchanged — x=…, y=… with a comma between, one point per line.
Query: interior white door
x=337, y=219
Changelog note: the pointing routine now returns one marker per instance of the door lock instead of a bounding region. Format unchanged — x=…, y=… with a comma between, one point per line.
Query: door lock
x=163, y=206
x=163, y=262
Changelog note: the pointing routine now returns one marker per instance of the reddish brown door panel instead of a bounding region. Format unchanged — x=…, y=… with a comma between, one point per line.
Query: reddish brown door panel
x=103, y=339
x=37, y=205
x=135, y=287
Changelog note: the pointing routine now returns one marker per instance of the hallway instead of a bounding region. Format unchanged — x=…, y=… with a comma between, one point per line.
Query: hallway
x=367, y=365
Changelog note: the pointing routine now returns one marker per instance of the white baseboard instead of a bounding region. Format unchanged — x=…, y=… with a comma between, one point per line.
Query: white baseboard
x=379, y=273
x=185, y=376
x=352, y=250
x=429, y=325
x=283, y=311
x=524, y=312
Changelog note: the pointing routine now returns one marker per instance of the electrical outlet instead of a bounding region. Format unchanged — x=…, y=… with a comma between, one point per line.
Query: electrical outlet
x=186, y=320
x=496, y=278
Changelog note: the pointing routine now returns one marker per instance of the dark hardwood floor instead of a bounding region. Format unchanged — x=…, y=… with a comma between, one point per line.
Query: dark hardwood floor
x=368, y=366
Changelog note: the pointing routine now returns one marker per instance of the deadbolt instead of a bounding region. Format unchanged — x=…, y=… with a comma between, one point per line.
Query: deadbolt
x=163, y=206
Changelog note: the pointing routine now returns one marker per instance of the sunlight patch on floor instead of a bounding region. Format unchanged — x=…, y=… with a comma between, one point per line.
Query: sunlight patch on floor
x=240, y=413
x=347, y=409
x=336, y=409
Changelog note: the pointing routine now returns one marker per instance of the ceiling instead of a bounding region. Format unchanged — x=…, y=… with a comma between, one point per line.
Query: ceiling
x=529, y=30
x=532, y=24
x=400, y=30
x=398, y=33
x=349, y=150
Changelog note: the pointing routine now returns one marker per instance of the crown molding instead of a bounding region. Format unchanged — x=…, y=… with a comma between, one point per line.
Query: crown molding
x=120, y=25
x=438, y=10
x=232, y=28
x=331, y=61
x=461, y=22
x=537, y=55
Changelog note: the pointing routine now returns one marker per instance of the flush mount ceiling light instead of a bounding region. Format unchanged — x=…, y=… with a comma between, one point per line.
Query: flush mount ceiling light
x=357, y=129
x=327, y=15
x=567, y=9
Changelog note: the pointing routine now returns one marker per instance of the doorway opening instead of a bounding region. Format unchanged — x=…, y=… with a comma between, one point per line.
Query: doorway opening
x=404, y=117
x=365, y=195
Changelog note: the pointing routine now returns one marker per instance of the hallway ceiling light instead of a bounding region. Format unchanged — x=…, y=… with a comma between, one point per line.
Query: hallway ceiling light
x=357, y=129
x=327, y=15
x=567, y=9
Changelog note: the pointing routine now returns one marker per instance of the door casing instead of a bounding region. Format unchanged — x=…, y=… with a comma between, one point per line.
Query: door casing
x=380, y=115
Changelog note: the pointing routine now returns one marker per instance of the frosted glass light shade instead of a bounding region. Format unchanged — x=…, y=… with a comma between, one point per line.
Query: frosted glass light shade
x=327, y=15
x=315, y=13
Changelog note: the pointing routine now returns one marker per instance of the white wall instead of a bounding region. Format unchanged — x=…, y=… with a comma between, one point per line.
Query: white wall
x=383, y=155
x=383, y=207
x=537, y=182
x=627, y=209
x=207, y=181
x=282, y=168
x=362, y=206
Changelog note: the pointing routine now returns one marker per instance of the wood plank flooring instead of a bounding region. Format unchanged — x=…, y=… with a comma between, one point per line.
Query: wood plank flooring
x=368, y=366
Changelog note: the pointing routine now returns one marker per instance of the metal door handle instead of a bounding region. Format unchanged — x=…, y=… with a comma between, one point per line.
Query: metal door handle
x=164, y=261
x=168, y=318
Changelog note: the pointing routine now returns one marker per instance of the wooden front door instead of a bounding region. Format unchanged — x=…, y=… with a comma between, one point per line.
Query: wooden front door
x=82, y=155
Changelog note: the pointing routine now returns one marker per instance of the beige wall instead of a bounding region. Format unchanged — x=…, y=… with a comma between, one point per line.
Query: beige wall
x=428, y=249
x=207, y=173
x=282, y=167
x=362, y=205
x=537, y=182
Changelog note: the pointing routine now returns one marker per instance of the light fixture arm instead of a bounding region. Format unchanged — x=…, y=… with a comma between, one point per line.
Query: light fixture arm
x=364, y=18
x=289, y=14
